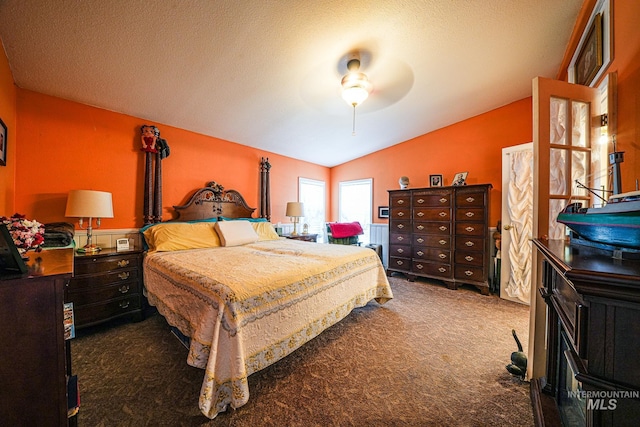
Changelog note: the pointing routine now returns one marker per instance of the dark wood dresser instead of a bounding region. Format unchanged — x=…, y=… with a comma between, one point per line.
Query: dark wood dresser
x=593, y=338
x=35, y=359
x=106, y=285
x=441, y=233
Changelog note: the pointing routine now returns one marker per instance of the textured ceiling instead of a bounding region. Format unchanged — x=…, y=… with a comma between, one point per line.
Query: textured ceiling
x=267, y=73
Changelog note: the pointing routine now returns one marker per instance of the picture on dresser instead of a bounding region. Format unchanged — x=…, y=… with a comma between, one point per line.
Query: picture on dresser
x=460, y=178
x=435, y=180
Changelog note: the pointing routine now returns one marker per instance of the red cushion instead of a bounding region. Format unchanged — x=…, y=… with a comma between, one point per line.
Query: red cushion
x=340, y=230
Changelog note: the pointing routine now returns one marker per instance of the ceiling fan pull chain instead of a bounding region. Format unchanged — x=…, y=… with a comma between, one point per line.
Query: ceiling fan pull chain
x=353, y=133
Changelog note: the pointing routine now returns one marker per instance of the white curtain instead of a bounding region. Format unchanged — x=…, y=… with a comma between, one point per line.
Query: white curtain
x=520, y=209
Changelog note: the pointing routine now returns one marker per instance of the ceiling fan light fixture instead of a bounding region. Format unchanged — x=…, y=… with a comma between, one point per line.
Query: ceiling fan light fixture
x=355, y=88
x=354, y=95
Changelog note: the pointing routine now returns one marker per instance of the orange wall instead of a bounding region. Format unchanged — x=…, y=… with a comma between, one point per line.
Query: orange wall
x=473, y=145
x=65, y=145
x=8, y=116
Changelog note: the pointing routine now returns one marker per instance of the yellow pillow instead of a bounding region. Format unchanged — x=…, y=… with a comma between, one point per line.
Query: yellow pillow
x=177, y=236
x=265, y=231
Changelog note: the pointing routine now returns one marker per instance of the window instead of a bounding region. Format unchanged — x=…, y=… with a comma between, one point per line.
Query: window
x=313, y=194
x=356, y=204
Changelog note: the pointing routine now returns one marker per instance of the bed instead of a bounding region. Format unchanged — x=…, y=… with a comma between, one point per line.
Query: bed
x=245, y=304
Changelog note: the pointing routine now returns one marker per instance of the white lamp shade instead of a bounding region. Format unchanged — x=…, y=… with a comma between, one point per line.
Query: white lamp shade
x=89, y=204
x=355, y=95
x=295, y=209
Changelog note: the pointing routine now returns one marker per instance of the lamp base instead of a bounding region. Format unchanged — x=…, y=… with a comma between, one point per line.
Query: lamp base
x=89, y=249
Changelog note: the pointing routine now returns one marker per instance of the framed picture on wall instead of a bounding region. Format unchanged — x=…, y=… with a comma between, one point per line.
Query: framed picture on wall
x=435, y=180
x=460, y=178
x=3, y=144
x=383, y=211
x=589, y=59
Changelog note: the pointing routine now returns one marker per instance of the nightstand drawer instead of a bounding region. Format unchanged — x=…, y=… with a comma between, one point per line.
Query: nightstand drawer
x=87, y=281
x=91, y=294
x=86, y=315
x=98, y=264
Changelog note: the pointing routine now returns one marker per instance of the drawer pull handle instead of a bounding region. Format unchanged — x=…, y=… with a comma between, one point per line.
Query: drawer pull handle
x=124, y=289
x=400, y=262
x=468, y=273
x=442, y=214
x=420, y=200
x=442, y=256
x=400, y=213
x=443, y=228
x=442, y=269
x=400, y=238
x=420, y=253
x=469, y=258
x=419, y=266
x=124, y=304
x=420, y=240
x=469, y=243
x=401, y=226
x=469, y=214
x=420, y=227
x=420, y=214
x=124, y=275
x=444, y=200
x=469, y=229
x=123, y=263
x=400, y=251
x=470, y=199
x=442, y=242
x=400, y=202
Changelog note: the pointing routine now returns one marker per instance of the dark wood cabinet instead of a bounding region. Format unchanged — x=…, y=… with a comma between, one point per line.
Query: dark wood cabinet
x=441, y=233
x=34, y=356
x=106, y=285
x=593, y=337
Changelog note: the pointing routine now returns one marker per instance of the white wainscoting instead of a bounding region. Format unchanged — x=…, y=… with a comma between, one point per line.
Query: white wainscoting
x=379, y=235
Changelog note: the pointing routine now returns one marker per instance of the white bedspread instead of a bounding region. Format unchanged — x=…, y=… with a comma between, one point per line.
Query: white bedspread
x=249, y=306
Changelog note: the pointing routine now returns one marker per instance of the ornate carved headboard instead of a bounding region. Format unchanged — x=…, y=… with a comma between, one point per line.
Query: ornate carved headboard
x=209, y=202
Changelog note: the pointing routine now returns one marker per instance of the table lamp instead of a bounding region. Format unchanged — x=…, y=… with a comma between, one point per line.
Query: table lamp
x=295, y=210
x=89, y=204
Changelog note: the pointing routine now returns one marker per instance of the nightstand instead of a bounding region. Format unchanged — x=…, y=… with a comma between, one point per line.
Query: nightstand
x=303, y=237
x=106, y=285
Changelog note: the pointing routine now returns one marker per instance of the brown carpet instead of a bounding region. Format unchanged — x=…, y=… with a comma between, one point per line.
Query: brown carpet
x=431, y=356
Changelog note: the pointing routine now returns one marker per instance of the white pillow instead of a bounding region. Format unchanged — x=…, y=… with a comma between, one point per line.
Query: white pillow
x=235, y=233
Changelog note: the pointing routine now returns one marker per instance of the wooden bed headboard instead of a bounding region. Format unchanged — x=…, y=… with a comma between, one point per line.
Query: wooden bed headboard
x=208, y=202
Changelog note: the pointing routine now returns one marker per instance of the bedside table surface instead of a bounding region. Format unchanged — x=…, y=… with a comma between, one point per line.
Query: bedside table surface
x=304, y=237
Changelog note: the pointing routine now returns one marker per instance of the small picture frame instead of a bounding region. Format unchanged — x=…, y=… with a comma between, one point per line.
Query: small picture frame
x=435, y=180
x=460, y=178
x=11, y=263
x=383, y=211
x=3, y=144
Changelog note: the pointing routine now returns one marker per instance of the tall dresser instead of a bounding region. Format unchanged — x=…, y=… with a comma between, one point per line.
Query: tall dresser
x=35, y=359
x=441, y=233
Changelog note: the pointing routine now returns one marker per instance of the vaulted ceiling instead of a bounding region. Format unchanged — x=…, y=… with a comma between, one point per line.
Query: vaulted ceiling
x=267, y=74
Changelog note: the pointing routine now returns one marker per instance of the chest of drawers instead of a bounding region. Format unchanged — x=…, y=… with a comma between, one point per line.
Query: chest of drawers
x=441, y=233
x=105, y=286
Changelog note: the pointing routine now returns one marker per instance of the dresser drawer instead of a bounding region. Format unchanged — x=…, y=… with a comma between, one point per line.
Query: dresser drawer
x=401, y=213
x=92, y=294
x=469, y=199
x=86, y=315
x=431, y=214
x=470, y=229
x=400, y=238
x=440, y=228
x=432, y=241
x=396, y=263
x=470, y=243
x=466, y=272
x=91, y=281
x=472, y=258
x=97, y=264
x=470, y=214
x=432, y=200
x=400, y=226
x=432, y=254
x=402, y=251
x=400, y=200
x=432, y=269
